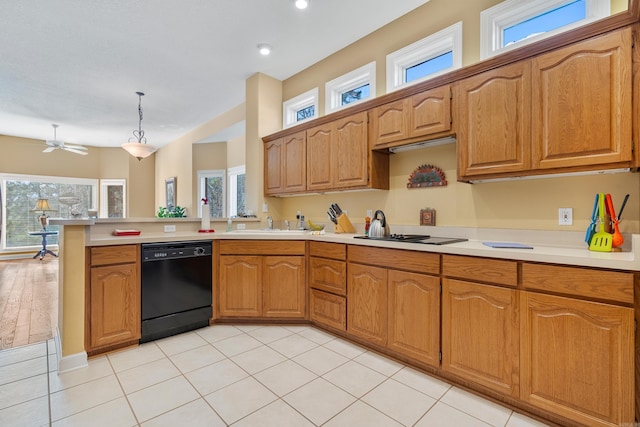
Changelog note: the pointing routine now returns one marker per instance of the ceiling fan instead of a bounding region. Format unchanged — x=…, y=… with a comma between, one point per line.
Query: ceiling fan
x=59, y=145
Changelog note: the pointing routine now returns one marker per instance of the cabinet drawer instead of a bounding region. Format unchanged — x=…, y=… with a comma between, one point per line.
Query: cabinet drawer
x=328, y=275
x=328, y=309
x=328, y=250
x=262, y=247
x=498, y=272
x=104, y=255
x=584, y=282
x=419, y=262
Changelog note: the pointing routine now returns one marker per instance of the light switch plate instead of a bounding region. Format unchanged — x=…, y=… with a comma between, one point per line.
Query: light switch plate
x=565, y=216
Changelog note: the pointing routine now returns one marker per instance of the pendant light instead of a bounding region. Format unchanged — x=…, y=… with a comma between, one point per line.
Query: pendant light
x=139, y=149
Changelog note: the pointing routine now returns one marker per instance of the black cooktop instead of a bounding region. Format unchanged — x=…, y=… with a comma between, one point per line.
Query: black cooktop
x=415, y=238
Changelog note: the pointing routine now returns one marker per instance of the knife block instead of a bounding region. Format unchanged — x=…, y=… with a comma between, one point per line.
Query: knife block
x=344, y=225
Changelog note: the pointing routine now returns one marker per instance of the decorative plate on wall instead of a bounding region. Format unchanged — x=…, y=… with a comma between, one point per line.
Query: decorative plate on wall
x=427, y=176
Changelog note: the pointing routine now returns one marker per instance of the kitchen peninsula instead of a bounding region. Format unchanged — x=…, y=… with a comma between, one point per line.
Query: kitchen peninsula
x=516, y=325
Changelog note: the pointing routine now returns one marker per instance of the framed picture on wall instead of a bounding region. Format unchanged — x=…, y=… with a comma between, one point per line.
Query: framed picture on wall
x=170, y=190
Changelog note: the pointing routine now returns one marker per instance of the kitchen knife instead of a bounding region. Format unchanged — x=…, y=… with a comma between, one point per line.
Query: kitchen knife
x=332, y=217
x=338, y=210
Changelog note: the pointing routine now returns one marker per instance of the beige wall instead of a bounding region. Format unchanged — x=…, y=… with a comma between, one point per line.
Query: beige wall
x=25, y=156
x=236, y=151
x=528, y=204
x=208, y=156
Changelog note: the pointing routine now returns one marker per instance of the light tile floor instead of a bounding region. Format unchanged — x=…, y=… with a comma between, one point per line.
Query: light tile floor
x=236, y=375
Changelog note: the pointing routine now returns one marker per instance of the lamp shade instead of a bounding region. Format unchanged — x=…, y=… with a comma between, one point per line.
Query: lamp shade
x=139, y=150
x=42, y=205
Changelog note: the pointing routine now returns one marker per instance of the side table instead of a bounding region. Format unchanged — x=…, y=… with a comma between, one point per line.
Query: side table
x=42, y=252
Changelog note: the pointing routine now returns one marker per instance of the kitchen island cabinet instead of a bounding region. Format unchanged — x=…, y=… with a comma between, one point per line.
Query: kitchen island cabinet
x=113, y=297
x=253, y=284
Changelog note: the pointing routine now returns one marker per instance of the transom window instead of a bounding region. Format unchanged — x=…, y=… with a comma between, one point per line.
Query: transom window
x=300, y=108
x=514, y=23
x=436, y=54
x=355, y=86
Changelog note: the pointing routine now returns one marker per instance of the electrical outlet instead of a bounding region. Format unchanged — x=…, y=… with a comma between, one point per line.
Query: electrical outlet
x=241, y=226
x=169, y=228
x=265, y=207
x=370, y=213
x=565, y=216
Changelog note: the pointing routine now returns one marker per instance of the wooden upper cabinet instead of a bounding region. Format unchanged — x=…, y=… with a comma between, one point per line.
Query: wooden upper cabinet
x=577, y=359
x=494, y=121
x=285, y=164
x=351, y=161
x=404, y=121
x=582, y=103
x=273, y=167
x=295, y=163
x=320, y=150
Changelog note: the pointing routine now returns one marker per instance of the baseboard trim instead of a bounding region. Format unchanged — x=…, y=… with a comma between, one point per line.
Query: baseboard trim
x=71, y=362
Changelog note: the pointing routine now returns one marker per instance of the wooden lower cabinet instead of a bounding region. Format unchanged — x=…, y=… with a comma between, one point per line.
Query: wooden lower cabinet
x=113, y=297
x=577, y=359
x=367, y=303
x=284, y=286
x=240, y=286
x=480, y=334
x=328, y=309
x=414, y=316
x=262, y=286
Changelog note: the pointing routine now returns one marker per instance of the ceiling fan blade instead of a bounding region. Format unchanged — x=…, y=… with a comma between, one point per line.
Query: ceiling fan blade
x=73, y=150
x=75, y=147
x=52, y=143
x=48, y=150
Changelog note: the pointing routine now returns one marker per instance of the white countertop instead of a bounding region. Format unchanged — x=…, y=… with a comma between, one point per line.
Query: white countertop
x=557, y=247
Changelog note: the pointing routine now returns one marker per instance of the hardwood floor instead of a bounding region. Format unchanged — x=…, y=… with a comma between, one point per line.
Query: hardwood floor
x=28, y=301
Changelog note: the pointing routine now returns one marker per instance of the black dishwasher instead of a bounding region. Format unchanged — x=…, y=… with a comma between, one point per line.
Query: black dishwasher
x=176, y=288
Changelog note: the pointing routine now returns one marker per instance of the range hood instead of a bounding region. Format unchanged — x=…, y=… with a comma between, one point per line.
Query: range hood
x=423, y=144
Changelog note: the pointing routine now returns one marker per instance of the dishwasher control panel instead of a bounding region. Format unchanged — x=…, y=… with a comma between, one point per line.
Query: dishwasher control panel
x=154, y=251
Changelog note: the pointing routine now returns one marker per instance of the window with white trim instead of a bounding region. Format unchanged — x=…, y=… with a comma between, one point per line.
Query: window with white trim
x=514, y=23
x=302, y=107
x=212, y=186
x=355, y=86
x=67, y=198
x=237, y=179
x=436, y=54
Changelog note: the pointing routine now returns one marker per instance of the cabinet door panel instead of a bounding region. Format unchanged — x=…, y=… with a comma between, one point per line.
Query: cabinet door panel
x=367, y=302
x=414, y=316
x=389, y=123
x=480, y=334
x=430, y=112
x=577, y=359
x=295, y=163
x=274, y=167
x=115, y=305
x=495, y=118
x=352, y=152
x=240, y=285
x=582, y=103
x=328, y=275
x=328, y=309
x=284, y=286
x=319, y=157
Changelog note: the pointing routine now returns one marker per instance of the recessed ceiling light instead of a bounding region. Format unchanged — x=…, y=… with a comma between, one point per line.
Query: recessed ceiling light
x=302, y=4
x=264, y=49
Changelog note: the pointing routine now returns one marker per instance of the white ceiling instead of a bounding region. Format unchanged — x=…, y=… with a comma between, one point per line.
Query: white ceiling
x=78, y=63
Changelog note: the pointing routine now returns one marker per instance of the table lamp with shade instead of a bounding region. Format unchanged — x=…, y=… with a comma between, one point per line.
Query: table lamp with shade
x=43, y=206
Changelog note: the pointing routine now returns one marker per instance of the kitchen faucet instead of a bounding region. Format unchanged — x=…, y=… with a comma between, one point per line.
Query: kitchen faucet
x=270, y=223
